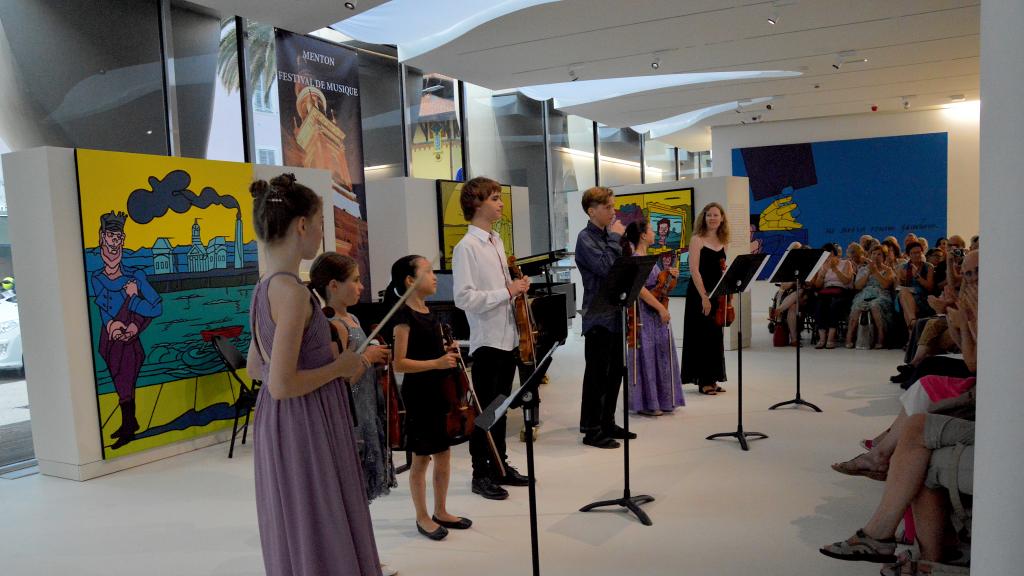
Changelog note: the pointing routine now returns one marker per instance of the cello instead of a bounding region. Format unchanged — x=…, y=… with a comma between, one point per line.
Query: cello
x=463, y=403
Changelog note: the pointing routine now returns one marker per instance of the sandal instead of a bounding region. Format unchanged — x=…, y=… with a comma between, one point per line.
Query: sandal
x=852, y=468
x=820, y=345
x=708, y=390
x=830, y=346
x=907, y=567
x=863, y=548
x=719, y=389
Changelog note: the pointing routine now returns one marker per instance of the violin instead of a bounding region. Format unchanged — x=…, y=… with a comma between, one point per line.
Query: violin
x=633, y=325
x=666, y=284
x=725, y=315
x=463, y=403
x=457, y=390
x=524, y=320
x=394, y=407
x=339, y=348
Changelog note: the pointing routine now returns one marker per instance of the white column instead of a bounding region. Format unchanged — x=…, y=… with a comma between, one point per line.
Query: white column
x=999, y=475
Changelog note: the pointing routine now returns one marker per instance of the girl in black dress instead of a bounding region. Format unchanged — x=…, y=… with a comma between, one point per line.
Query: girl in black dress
x=703, y=346
x=421, y=356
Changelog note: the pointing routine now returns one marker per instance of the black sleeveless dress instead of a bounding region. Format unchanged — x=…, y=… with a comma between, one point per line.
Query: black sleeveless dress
x=703, y=344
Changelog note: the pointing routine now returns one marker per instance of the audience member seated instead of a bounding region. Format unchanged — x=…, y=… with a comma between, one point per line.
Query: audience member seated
x=928, y=391
x=875, y=283
x=833, y=282
x=916, y=280
x=895, y=257
x=865, y=240
x=934, y=340
x=937, y=258
x=856, y=254
x=933, y=464
x=784, y=311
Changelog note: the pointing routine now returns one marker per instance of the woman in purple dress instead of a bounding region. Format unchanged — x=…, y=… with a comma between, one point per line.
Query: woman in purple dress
x=310, y=498
x=656, y=388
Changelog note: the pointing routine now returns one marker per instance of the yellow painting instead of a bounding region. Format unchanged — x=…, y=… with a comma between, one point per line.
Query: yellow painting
x=670, y=215
x=453, y=225
x=170, y=263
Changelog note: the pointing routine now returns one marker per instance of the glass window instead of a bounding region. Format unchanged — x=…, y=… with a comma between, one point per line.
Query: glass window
x=572, y=171
x=75, y=75
x=620, y=156
x=206, y=83
x=687, y=165
x=505, y=134
x=380, y=103
x=706, y=167
x=262, y=77
x=435, y=130
x=80, y=84
x=659, y=161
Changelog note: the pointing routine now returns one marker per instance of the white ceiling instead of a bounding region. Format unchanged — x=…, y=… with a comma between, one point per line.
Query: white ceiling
x=302, y=16
x=926, y=50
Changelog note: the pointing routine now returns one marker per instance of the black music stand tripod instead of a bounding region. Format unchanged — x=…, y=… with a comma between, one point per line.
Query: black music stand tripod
x=525, y=397
x=735, y=280
x=620, y=291
x=797, y=266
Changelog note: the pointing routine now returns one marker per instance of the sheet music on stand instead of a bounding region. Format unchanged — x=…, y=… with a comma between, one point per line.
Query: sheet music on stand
x=793, y=259
x=746, y=274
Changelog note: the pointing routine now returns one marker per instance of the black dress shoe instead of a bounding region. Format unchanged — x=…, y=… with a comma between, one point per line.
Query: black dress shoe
x=461, y=524
x=488, y=489
x=512, y=477
x=600, y=441
x=438, y=534
x=619, y=432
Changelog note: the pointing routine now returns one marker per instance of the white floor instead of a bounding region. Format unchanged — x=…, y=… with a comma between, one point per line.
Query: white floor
x=719, y=511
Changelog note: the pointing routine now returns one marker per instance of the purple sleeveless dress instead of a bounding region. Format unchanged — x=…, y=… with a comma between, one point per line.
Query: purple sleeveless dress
x=310, y=496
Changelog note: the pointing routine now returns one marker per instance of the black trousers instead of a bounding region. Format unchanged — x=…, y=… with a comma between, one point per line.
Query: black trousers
x=493, y=371
x=602, y=379
x=939, y=366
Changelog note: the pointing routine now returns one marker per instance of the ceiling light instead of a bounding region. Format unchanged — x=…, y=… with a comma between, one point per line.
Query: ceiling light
x=773, y=18
x=656, y=63
x=351, y=5
x=957, y=98
x=574, y=74
x=906, y=102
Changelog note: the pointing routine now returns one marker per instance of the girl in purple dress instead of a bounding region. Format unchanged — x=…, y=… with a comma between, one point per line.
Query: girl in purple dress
x=656, y=387
x=310, y=498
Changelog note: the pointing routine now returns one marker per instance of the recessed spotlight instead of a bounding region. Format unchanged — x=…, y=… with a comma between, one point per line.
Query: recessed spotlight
x=957, y=98
x=149, y=131
x=656, y=63
x=773, y=18
x=352, y=4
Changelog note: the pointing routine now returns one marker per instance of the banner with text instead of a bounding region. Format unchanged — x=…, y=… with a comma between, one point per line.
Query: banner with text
x=318, y=93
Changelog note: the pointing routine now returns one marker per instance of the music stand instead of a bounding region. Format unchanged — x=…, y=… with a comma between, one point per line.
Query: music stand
x=620, y=290
x=797, y=266
x=527, y=398
x=735, y=280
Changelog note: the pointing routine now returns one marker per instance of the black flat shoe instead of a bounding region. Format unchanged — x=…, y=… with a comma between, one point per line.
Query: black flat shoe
x=461, y=524
x=438, y=534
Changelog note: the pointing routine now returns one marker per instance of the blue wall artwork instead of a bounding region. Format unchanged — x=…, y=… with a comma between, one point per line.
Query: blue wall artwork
x=836, y=191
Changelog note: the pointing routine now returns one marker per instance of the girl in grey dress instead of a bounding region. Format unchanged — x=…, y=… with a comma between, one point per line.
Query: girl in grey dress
x=335, y=278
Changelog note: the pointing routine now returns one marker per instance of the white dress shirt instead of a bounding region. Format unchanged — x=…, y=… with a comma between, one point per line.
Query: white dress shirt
x=480, y=278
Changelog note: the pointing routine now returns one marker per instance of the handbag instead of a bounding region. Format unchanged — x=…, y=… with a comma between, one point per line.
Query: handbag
x=865, y=332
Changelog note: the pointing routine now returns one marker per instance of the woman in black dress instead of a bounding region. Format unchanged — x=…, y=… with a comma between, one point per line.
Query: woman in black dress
x=703, y=347
x=421, y=356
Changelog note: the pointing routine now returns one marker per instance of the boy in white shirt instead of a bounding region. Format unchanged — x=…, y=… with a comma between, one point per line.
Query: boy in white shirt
x=485, y=291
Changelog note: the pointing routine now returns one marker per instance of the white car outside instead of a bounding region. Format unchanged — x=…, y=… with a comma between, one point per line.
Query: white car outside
x=10, y=333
